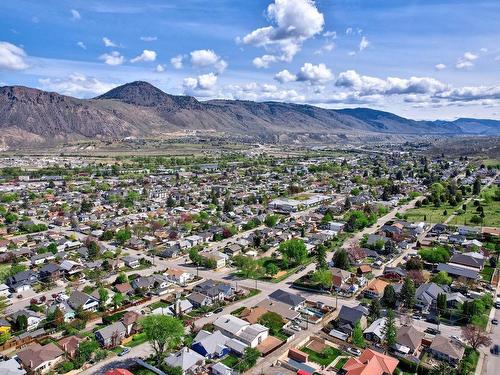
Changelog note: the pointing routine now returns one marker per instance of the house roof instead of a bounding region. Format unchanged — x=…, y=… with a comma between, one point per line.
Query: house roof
x=11, y=367
x=467, y=260
x=279, y=308
x=349, y=314
x=377, y=328
x=370, y=363
x=286, y=297
x=184, y=358
x=253, y=315
x=409, y=337
x=377, y=286
x=78, y=299
x=230, y=323
x=458, y=271
x=108, y=331
x=446, y=346
x=211, y=342
x=36, y=354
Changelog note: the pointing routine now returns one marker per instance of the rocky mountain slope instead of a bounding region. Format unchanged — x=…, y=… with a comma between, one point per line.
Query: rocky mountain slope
x=29, y=116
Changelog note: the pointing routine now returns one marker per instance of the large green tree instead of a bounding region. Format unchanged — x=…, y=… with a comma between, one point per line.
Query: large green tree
x=294, y=251
x=390, y=297
x=390, y=329
x=357, y=336
x=408, y=293
x=341, y=259
x=163, y=333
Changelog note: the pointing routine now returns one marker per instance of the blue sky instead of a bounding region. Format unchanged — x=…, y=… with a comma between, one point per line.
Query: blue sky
x=419, y=59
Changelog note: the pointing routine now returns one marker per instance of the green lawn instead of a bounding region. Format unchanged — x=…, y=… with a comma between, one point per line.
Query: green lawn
x=490, y=206
x=431, y=213
x=322, y=358
x=487, y=273
x=137, y=339
x=341, y=363
x=230, y=361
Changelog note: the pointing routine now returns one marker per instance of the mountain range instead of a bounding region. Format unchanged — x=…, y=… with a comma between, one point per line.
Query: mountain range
x=34, y=117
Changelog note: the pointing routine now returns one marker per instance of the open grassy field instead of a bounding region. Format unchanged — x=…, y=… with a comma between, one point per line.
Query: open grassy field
x=431, y=214
x=491, y=210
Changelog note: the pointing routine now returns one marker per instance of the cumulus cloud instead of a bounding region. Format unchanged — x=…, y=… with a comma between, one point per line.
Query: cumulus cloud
x=146, y=55
x=200, y=86
x=12, y=57
x=81, y=45
x=293, y=22
x=160, y=68
x=364, y=43
x=108, y=42
x=330, y=34
x=207, y=58
x=314, y=73
x=76, y=85
x=75, y=15
x=366, y=85
x=113, y=58
x=466, y=61
x=260, y=92
x=176, y=61
x=285, y=76
x=439, y=66
x=148, y=38
x=327, y=47
x=471, y=93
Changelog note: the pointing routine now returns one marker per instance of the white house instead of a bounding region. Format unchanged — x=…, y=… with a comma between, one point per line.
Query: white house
x=250, y=334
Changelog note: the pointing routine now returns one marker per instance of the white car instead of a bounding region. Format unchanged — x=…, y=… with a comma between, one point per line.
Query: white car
x=209, y=314
x=354, y=351
x=458, y=339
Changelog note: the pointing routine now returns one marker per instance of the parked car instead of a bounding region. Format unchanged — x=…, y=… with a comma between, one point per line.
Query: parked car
x=124, y=351
x=354, y=351
x=432, y=331
x=218, y=310
x=209, y=314
x=458, y=339
x=494, y=322
x=417, y=317
x=495, y=349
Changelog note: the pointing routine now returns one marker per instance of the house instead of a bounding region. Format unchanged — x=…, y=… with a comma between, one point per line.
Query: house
x=40, y=359
x=447, y=350
x=293, y=300
x=50, y=272
x=112, y=335
x=375, y=289
x=426, y=295
x=219, y=258
x=348, y=317
x=33, y=318
x=129, y=320
x=187, y=359
x=216, y=290
x=233, y=327
x=4, y=326
x=124, y=288
x=458, y=271
x=375, y=332
x=179, y=277
x=339, y=277
x=79, y=299
x=38, y=259
x=280, y=308
x=409, y=337
x=11, y=367
x=199, y=300
x=131, y=262
x=109, y=299
x=22, y=281
x=4, y=290
x=370, y=362
x=233, y=249
x=211, y=345
x=221, y=369
x=68, y=312
x=394, y=273
x=467, y=261
x=70, y=345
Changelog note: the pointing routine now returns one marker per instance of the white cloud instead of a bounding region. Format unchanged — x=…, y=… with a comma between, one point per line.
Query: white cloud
x=366, y=85
x=364, y=43
x=352, y=53
x=471, y=93
x=112, y=58
x=200, y=86
x=262, y=92
x=75, y=15
x=76, y=85
x=330, y=34
x=285, y=76
x=176, y=61
x=12, y=57
x=81, y=45
x=160, y=68
x=295, y=21
x=327, y=47
x=483, y=50
x=148, y=38
x=439, y=66
x=146, y=55
x=466, y=61
x=108, y=42
x=207, y=57
x=314, y=73
x=348, y=31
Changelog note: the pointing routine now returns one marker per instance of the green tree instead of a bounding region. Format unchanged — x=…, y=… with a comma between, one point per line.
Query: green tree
x=21, y=323
x=390, y=329
x=323, y=277
x=103, y=297
x=442, y=278
x=341, y=259
x=321, y=262
x=476, y=189
x=272, y=269
x=271, y=220
x=163, y=333
x=389, y=298
x=122, y=236
x=273, y=321
x=408, y=293
x=195, y=257
x=441, y=302
x=118, y=300
x=357, y=336
x=250, y=357
x=374, y=309
x=441, y=369
x=121, y=278
x=294, y=251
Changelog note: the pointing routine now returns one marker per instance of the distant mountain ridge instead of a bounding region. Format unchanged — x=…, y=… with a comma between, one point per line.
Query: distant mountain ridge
x=30, y=116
